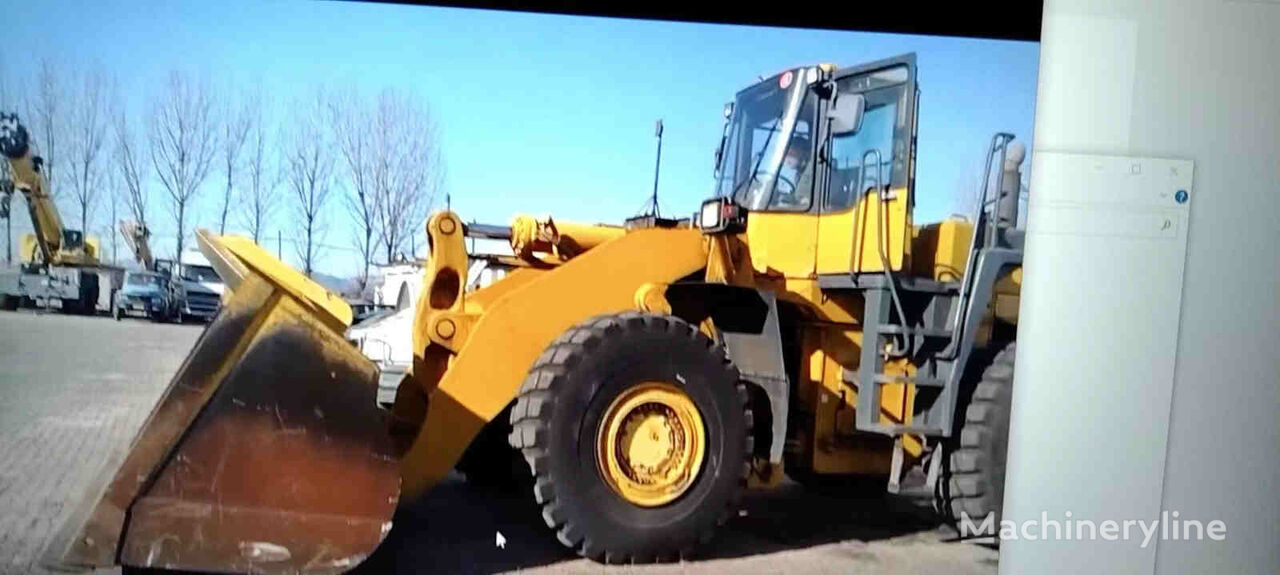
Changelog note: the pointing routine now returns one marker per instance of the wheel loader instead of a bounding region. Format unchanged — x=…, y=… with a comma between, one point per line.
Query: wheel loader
x=643, y=375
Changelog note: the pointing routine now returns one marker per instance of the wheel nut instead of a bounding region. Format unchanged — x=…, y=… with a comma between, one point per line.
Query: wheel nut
x=446, y=329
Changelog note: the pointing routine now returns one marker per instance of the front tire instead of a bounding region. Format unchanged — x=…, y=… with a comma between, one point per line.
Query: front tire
x=638, y=432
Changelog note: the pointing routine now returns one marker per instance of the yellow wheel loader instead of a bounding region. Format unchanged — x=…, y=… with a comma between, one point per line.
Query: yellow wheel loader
x=799, y=323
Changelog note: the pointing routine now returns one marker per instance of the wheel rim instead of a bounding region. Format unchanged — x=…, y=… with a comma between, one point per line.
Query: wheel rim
x=650, y=444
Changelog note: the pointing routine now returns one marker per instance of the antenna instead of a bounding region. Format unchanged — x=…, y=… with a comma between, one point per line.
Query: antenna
x=653, y=201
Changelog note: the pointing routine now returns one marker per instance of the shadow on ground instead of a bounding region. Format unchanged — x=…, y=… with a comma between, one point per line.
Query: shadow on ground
x=455, y=529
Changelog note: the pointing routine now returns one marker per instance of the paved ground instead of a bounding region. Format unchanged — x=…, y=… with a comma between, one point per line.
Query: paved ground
x=73, y=391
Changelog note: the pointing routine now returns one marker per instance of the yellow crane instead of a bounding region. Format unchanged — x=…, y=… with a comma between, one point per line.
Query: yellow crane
x=638, y=376
x=56, y=263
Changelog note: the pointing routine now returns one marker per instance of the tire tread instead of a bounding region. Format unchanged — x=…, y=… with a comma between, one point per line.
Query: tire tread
x=530, y=420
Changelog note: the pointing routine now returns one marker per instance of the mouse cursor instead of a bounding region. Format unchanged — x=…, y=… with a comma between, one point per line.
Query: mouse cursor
x=500, y=541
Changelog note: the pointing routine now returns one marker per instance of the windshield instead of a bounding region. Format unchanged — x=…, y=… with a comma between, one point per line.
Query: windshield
x=200, y=274
x=763, y=118
x=143, y=280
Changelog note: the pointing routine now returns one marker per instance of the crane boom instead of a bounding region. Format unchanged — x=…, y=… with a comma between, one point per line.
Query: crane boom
x=58, y=245
x=139, y=239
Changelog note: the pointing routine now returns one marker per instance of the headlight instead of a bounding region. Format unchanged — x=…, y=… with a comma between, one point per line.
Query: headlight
x=721, y=215
x=709, y=217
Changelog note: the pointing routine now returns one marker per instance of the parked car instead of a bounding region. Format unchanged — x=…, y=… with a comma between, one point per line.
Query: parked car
x=145, y=294
x=197, y=290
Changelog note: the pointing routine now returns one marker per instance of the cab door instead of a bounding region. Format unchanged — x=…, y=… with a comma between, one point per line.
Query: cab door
x=784, y=235
x=868, y=189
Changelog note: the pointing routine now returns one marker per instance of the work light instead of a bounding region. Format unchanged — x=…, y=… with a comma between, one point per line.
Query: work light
x=720, y=215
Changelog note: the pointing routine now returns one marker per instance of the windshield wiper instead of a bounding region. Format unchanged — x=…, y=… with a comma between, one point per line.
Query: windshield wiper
x=755, y=169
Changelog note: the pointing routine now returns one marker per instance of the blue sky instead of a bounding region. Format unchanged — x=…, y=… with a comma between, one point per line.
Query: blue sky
x=538, y=113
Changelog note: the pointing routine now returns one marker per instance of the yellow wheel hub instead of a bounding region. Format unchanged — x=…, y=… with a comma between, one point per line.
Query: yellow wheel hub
x=650, y=444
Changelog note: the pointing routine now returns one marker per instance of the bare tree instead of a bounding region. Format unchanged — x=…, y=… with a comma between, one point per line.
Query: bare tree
x=234, y=129
x=45, y=107
x=308, y=170
x=349, y=122
x=183, y=141
x=85, y=142
x=6, y=186
x=262, y=182
x=114, y=195
x=407, y=170
x=967, y=195
x=132, y=170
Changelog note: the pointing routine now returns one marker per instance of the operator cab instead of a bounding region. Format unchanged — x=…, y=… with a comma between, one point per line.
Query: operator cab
x=144, y=279
x=200, y=273
x=835, y=144
x=767, y=144
x=72, y=240
x=816, y=168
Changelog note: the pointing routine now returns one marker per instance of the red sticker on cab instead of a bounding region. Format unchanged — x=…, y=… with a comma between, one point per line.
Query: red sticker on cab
x=785, y=80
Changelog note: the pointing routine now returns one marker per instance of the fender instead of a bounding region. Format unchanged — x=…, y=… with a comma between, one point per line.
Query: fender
x=493, y=350
x=992, y=264
x=747, y=321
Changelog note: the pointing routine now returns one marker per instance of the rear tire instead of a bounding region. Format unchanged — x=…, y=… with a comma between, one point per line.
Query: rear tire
x=565, y=402
x=972, y=481
x=9, y=302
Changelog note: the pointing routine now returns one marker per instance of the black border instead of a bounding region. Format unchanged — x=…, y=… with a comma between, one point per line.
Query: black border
x=996, y=20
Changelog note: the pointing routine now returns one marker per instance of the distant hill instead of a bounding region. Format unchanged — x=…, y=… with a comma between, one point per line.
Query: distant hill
x=335, y=284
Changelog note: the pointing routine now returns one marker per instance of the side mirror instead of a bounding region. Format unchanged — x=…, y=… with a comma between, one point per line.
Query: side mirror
x=846, y=114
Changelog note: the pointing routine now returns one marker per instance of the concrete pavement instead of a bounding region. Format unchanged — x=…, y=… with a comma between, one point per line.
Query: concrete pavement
x=74, y=390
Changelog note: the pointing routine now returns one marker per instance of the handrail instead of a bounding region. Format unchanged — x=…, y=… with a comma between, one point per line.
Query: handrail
x=999, y=143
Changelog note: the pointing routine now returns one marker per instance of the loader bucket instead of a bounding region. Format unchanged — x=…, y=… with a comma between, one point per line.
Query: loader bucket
x=266, y=454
